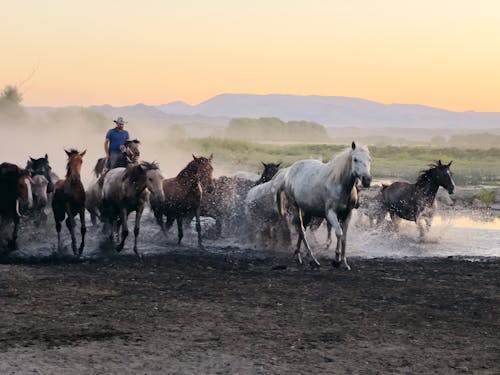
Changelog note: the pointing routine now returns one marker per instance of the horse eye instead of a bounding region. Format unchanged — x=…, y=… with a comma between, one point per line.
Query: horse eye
x=355, y=160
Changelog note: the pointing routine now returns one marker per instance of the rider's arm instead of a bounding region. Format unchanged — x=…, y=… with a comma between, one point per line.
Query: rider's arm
x=106, y=147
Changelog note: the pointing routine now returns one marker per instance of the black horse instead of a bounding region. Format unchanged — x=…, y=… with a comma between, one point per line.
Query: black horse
x=417, y=201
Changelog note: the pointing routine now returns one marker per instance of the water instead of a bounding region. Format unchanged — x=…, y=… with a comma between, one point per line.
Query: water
x=452, y=234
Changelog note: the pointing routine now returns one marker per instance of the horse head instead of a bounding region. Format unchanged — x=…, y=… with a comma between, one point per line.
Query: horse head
x=131, y=150
x=24, y=187
x=74, y=165
x=443, y=176
x=154, y=180
x=204, y=171
x=40, y=189
x=360, y=164
x=269, y=171
x=41, y=167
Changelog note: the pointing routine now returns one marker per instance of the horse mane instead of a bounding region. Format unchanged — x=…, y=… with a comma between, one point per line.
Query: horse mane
x=136, y=141
x=341, y=165
x=190, y=169
x=425, y=175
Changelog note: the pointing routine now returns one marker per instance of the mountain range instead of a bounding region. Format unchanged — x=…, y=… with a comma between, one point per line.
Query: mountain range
x=334, y=111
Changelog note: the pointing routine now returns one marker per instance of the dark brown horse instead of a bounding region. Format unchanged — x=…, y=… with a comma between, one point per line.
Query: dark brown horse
x=183, y=195
x=225, y=202
x=416, y=201
x=69, y=200
x=15, y=185
x=130, y=155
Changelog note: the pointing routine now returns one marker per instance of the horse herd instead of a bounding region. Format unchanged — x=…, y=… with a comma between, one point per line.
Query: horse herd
x=303, y=194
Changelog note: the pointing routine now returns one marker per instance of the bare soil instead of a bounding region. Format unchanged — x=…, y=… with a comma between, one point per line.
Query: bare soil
x=194, y=312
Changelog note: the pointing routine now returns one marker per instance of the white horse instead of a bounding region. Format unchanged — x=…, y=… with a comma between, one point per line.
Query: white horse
x=125, y=190
x=316, y=189
x=261, y=211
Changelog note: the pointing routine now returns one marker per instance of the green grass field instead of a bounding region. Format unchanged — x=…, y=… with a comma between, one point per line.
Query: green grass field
x=470, y=166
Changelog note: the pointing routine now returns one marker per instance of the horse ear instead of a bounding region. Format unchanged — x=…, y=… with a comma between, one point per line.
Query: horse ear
x=83, y=152
x=46, y=157
x=439, y=162
x=33, y=160
x=353, y=145
x=278, y=165
x=450, y=163
x=211, y=157
x=264, y=164
x=67, y=152
x=194, y=157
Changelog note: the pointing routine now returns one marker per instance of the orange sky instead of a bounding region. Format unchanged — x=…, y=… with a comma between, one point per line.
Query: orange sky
x=440, y=53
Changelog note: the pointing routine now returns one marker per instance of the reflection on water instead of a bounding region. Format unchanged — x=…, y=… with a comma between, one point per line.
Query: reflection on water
x=452, y=235
x=468, y=222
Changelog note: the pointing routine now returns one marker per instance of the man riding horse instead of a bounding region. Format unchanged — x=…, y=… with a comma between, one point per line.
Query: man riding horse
x=115, y=139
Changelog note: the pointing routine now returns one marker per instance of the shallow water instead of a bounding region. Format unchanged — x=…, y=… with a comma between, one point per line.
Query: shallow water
x=452, y=234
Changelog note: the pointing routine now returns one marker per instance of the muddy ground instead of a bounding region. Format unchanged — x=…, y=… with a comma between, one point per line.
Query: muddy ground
x=194, y=312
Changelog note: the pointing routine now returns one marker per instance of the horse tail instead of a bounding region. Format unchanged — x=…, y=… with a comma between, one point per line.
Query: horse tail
x=99, y=167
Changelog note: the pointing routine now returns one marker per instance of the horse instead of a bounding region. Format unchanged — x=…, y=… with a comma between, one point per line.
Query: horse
x=130, y=155
x=15, y=185
x=243, y=185
x=316, y=189
x=69, y=200
x=417, y=201
x=43, y=187
x=222, y=202
x=125, y=190
x=42, y=167
x=183, y=196
x=262, y=218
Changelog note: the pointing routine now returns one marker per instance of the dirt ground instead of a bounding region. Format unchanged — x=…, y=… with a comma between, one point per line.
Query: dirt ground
x=190, y=312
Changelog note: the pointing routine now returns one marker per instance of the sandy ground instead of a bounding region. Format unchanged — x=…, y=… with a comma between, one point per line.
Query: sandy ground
x=193, y=312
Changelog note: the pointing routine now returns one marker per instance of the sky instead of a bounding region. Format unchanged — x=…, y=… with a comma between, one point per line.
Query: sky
x=442, y=53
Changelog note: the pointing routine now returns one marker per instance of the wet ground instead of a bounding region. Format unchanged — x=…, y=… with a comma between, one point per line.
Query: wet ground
x=232, y=308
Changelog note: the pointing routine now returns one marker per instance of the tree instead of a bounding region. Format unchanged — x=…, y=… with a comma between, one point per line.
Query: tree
x=11, y=95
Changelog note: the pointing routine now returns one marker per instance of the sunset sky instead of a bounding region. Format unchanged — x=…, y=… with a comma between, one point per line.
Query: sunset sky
x=442, y=53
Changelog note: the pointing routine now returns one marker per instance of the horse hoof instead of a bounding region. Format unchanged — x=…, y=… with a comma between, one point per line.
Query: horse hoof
x=313, y=263
x=336, y=263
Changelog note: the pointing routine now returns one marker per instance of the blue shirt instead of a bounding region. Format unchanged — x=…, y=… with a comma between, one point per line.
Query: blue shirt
x=116, y=139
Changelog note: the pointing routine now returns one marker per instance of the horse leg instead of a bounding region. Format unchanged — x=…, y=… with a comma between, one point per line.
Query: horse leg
x=329, y=235
x=83, y=230
x=138, y=215
x=343, y=239
x=12, y=244
x=123, y=221
x=70, y=224
x=331, y=216
x=58, y=229
x=159, y=219
x=302, y=236
x=198, y=228
x=180, y=232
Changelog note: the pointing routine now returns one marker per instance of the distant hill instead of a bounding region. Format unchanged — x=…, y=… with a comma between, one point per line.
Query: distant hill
x=335, y=111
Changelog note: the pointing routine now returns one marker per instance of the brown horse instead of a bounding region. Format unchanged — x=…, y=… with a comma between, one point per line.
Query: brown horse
x=183, y=195
x=69, y=200
x=125, y=190
x=15, y=185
